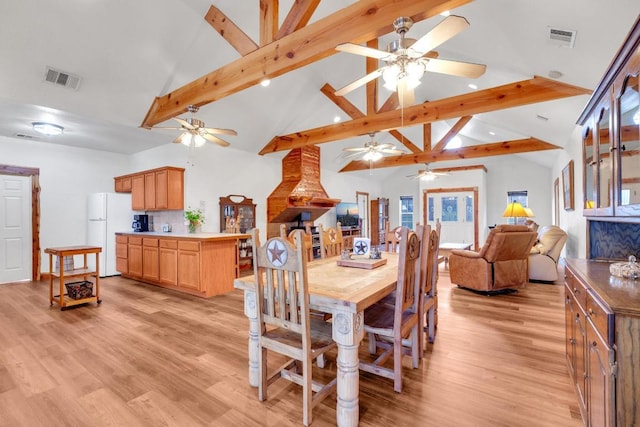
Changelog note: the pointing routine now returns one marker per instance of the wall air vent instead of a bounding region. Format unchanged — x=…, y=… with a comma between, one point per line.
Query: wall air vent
x=23, y=136
x=561, y=37
x=61, y=78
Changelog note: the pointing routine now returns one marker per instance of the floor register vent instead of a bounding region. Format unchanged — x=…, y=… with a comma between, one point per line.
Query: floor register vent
x=62, y=78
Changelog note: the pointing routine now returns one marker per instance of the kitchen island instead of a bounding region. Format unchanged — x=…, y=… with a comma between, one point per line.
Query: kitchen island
x=201, y=264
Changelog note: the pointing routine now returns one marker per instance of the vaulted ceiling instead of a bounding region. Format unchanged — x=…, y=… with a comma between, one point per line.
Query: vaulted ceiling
x=142, y=63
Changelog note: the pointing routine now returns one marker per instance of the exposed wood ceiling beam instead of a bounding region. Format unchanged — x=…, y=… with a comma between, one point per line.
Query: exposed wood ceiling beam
x=269, y=19
x=472, y=152
x=372, y=86
x=455, y=129
x=537, y=89
x=230, y=31
x=361, y=21
x=426, y=137
x=298, y=16
x=355, y=113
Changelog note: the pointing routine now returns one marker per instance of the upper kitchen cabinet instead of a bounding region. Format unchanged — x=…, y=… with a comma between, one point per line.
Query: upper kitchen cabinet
x=611, y=140
x=155, y=189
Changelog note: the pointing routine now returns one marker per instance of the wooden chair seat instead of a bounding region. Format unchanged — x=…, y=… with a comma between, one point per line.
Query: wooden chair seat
x=285, y=324
x=394, y=328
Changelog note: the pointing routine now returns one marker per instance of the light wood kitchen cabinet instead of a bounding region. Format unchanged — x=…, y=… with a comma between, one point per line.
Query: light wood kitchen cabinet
x=122, y=265
x=154, y=189
x=137, y=193
x=603, y=342
x=168, y=258
x=189, y=265
x=134, y=254
x=123, y=184
x=204, y=264
x=150, y=266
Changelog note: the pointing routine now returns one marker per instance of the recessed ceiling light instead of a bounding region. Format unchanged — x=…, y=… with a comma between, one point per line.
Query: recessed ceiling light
x=492, y=133
x=472, y=86
x=445, y=13
x=336, y=119
x=265, y=82
x=48, y=129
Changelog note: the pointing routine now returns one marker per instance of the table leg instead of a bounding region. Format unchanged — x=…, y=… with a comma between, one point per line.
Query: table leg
x=250, y=310
x=50, y=279
x=347, y=333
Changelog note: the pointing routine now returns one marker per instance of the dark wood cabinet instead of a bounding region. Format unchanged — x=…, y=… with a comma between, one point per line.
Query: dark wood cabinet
x=611, y=137
x=238, y=215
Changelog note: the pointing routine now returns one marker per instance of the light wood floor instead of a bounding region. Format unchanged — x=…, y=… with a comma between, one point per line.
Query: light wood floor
x=151, y=357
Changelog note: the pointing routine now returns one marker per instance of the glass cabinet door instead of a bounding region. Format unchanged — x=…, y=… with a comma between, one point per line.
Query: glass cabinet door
x=605, y=165
x=589, y=170
x=629, y=144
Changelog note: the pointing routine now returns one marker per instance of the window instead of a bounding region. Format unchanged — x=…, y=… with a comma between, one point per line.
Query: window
x=406, y=211
x=520, y=197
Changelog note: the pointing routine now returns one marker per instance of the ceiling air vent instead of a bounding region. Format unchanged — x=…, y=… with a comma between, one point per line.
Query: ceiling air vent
x=61, y=78
x=562, y=38
x=23, y=136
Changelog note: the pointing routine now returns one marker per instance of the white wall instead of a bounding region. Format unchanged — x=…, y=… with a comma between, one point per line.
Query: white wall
x=69, y=174
x=503, y=174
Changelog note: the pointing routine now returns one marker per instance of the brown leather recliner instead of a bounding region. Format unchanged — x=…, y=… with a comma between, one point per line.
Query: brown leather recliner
x=500, y=264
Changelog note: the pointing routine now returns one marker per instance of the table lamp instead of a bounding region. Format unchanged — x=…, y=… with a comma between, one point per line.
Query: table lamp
x=515, y=210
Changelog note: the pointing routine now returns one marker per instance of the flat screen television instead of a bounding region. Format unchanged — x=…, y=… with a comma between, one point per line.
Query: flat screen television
x=347, y=214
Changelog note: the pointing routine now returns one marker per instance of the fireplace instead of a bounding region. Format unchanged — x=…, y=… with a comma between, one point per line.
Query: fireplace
x=613, y=240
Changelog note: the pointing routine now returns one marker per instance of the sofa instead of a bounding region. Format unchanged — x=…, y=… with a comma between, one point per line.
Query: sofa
x=501, y=263
x=543, y=259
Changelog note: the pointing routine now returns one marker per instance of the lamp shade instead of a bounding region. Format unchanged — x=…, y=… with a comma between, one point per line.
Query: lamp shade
x=514, y=210
x=529, y=212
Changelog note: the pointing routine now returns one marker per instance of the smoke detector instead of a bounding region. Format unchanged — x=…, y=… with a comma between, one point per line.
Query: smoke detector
x=562, y=37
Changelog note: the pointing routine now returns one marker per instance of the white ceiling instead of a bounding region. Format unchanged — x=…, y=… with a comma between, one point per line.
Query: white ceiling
x=128, y=52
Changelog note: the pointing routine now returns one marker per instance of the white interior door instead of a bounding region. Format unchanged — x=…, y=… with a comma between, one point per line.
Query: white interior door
x=455, y=211
x=15, y=228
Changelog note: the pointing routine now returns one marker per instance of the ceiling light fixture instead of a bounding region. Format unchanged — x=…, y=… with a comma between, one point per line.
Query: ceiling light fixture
x=336, y=119
x=48, y=129
x=472, y=86
x=265, y=82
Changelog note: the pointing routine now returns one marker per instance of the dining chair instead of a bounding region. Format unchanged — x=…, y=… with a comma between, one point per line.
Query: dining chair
x=392, y=238
x=430, y=291
x=394, y=328
x=283, y=315
x=331, y=242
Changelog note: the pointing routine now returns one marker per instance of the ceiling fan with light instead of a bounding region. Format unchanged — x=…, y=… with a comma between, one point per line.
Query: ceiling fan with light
x=195, y=134
x=427, y=174
x=372, y=150
x=407, y=59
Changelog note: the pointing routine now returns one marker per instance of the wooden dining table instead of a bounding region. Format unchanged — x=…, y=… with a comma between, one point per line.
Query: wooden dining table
x=345, y=292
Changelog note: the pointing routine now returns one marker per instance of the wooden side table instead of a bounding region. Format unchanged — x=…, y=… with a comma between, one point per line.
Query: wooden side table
x=83, y=272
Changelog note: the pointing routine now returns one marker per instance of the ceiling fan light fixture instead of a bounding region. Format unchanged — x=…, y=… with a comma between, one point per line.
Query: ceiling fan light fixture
x=198, y=141
x=372, y=156
x=48, y=129
x=428, y=177
x=186, y=139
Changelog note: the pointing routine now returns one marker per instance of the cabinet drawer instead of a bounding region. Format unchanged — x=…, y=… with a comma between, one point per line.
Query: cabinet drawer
x=577, y=288
x=135, y=241
x=601, y=316
x=189, y=246
x=169, y=244
x=150, y=242
x=121, y=239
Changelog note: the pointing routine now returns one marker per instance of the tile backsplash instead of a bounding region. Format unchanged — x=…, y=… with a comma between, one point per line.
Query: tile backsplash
x=174, y=218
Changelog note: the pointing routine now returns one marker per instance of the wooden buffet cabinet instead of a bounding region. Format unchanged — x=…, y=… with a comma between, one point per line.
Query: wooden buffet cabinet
x=154, y=189
x=202, y=264
x=602, y=315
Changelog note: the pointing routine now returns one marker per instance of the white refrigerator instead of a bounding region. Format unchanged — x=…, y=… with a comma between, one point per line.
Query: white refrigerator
x=108, y=213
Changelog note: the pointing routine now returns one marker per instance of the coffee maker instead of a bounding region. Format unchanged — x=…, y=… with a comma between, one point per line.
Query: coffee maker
x=140, y=223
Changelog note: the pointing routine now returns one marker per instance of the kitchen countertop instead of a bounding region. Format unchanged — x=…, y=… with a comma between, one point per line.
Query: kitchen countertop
x=192, y=236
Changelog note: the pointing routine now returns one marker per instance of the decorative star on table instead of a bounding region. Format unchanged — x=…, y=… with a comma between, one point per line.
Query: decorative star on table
x=361, y=247
x=276, y=253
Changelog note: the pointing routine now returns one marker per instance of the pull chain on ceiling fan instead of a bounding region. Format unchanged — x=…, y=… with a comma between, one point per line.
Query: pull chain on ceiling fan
x=407, y=59
x=195, y=134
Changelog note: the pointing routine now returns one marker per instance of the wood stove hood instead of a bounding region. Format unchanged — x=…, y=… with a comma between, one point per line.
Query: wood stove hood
x=300, y=192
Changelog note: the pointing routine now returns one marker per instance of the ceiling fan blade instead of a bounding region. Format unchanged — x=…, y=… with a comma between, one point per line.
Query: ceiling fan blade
x=351, y=154
x=215, y=139
x=221, y=131
x=184, y=123
x=385, y=146
x=167, y=127
x=362, y=80
x=359, y=149
x=406, y=97
x=356, y=49
x=449, y=27
x=392, y=151
x=455, y=68
x=178, y=140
